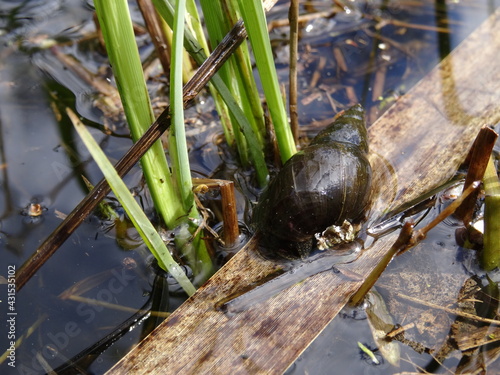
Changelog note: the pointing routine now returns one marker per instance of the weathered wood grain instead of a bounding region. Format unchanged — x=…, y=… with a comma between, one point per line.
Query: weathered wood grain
x=419, y=143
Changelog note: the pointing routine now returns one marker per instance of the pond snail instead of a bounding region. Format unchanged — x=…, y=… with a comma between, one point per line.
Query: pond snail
x=327, y=184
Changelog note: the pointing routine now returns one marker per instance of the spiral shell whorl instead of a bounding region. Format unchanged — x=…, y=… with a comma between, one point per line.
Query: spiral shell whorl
x=322, y=185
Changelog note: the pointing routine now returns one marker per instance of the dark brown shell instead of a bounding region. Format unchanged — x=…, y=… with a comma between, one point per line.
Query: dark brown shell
x=324, y=184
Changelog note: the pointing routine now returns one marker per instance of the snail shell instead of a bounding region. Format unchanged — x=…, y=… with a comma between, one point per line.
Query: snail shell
x=322, y=185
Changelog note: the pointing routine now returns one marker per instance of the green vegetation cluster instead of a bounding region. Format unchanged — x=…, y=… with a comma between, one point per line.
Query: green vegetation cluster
x=237, y=100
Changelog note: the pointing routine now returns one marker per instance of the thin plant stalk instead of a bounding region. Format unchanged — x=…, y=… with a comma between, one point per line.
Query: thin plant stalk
x=490, y=256
x=177, y=138
x=22, y=338
x=195, y=23
x=293, y=16
x=188, y=68
x=156, y=31
x=178, y=145
x=251, y=102
x=253, y=15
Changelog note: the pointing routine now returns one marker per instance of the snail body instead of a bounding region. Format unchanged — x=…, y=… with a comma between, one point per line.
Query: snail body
x=325, y=184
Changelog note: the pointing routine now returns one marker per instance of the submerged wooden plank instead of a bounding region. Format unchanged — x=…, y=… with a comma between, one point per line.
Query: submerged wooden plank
x=416, y=145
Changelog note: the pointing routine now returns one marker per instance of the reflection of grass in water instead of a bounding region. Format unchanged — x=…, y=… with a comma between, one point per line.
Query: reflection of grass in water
x=114, y=306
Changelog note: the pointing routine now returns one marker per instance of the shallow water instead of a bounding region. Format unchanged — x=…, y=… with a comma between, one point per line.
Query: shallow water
x=435, y=270
x=42, y=162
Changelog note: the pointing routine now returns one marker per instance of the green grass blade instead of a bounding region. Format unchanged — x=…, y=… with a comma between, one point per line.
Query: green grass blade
x=116, y=25
x=217, y=27
x=118, y=33
x=198, y=50
x=177, y=138
x=196, y=251
x=134, y=211
x=251, y=102
x=253, y=15
x=196, y=25
x=197, y=53
x=490, y=256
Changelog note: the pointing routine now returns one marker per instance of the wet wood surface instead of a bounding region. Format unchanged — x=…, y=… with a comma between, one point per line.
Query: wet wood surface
x=416, y=145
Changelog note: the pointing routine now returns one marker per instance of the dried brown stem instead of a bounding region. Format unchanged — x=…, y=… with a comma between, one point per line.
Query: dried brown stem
x=420, y=234
x=407, y=239
x=155, y=30
x=401, y=243
x=229, y=214
x=231, y=229
x=384, y=22
x=302, y=19
x=478, y=161
x=378, y=91
x=317, y=73
x=447, y=309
